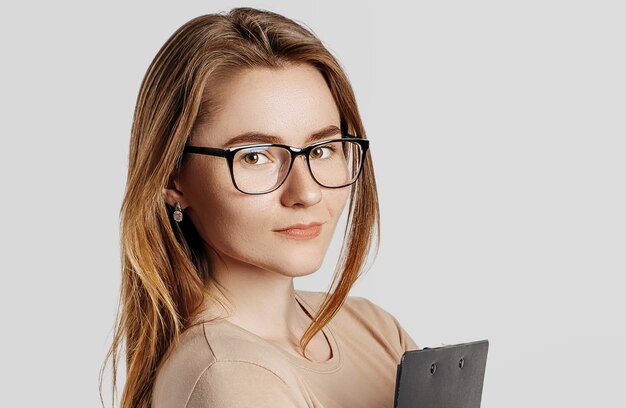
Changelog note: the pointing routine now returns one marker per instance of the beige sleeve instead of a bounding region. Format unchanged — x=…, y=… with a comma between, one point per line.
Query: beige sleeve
x=235, y=384
x=405, y=339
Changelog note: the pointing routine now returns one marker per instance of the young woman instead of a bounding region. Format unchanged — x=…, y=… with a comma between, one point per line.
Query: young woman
x=246, y=146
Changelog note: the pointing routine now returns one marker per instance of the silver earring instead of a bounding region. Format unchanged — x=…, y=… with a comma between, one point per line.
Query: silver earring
x=178, y=214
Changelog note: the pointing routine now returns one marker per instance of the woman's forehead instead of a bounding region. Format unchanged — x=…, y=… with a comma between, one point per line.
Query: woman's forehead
x=286, y=105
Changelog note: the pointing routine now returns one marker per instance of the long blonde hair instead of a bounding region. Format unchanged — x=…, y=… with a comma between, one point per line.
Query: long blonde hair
x=165, y=269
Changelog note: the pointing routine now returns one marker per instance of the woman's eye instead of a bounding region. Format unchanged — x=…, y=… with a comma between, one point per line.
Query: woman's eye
x=255, y=158
x=322, y=152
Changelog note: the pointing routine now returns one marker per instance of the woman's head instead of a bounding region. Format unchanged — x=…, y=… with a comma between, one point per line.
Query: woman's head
x=290, y=103
x=218, y=76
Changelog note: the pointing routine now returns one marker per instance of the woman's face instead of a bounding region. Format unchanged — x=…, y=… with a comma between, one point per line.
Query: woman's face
x=291, y=104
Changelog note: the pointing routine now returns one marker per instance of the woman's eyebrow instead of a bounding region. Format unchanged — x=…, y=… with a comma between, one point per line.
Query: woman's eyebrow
x=259, y=137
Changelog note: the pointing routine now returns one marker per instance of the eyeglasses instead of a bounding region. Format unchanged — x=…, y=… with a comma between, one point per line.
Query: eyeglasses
x=262, y=168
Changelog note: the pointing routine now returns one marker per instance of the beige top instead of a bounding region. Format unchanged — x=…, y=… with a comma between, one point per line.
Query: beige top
x=218, y=364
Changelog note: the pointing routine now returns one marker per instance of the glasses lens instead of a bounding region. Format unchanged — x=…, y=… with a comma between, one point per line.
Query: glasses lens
x=336, y=164
x=260, y=169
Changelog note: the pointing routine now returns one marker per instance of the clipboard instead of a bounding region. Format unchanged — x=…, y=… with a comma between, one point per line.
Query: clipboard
x=448, y=376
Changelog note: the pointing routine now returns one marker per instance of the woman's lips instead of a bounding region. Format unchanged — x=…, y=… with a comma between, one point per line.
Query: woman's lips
x=302, y=231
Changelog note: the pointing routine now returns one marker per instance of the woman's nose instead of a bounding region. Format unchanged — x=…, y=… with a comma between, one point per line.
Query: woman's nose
x=300, y=187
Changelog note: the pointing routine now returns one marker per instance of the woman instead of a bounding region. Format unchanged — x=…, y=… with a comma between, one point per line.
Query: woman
x=246, y=144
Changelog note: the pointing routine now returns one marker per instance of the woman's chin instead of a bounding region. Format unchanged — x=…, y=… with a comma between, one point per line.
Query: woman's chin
x=299, y=267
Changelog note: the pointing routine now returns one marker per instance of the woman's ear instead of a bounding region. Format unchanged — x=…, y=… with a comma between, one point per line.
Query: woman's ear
x=173, y=193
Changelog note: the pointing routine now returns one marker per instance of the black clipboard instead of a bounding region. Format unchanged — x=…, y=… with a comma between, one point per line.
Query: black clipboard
x=449, y=376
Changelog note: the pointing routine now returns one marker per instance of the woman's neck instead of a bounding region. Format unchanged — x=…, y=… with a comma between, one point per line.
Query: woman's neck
x=263, y=303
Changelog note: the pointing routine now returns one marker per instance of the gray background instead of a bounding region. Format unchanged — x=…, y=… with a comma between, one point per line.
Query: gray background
x=498, y=138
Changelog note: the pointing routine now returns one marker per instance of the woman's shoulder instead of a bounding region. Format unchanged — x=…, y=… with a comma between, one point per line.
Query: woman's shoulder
x=353, y=306
x=181, y=367
x=212, y=350
x=360, y=316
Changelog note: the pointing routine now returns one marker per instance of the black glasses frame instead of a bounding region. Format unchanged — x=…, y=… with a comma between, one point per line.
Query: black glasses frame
x=229, y=154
